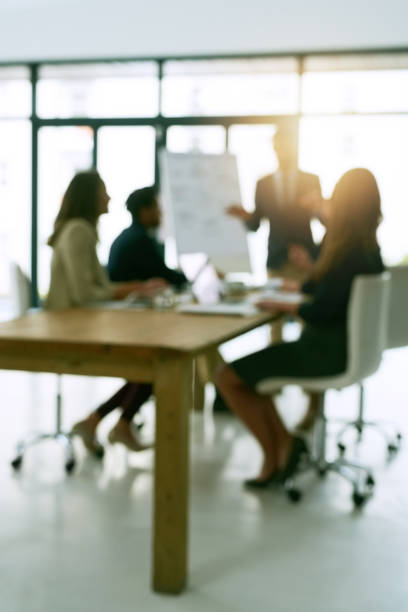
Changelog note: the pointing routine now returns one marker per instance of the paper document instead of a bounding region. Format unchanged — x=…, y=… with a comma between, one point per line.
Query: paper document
x=242, y=309
x=288, y=297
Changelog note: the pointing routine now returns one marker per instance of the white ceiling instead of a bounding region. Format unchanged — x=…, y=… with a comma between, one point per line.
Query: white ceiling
x=47, y=29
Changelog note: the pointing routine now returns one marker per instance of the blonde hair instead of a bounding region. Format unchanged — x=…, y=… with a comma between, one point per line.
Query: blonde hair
x=355, y=213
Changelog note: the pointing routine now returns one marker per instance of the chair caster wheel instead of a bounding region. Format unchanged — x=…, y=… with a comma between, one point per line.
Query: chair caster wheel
x=17, y=463
x=341, y=448
x=359, y=499
x=70, y=466
x=294, y=495
x=399, y=437
x=370, y=482
x=392, y=448
x=99, y=453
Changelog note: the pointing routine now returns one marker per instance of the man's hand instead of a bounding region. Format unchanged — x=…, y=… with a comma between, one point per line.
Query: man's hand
x=300, y=257
x=290, y=285
x=238, y=211
x=152, y=286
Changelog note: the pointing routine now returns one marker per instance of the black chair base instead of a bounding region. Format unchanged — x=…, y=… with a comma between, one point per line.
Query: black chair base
x=359, y=476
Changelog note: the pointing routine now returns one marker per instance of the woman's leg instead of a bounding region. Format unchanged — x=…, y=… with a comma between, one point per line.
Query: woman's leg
x=314, y=354
x=115, y=401
x=86, y=429
x=130, y=397
x=135, y=395
x=308, y=420
x=260, y=416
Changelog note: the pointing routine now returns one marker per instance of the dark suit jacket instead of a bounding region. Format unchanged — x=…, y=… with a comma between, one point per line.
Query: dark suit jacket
x=135, y=255
x=288, y=221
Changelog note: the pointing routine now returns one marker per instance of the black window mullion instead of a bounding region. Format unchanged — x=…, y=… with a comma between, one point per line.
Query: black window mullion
x=34, y=186
x=95, y=147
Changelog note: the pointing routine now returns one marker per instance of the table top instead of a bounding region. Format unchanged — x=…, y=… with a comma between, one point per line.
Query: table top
x=169, y=330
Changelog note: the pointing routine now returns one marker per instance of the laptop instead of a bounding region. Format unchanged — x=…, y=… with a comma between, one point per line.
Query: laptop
x=206, y=287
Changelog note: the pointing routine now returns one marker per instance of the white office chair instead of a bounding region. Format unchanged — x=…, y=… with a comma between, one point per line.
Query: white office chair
x=366, y=330
x=21, y=299
x=397, y=336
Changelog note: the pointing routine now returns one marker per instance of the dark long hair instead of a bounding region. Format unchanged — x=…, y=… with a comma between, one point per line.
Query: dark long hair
x=355, y=213
x=80, y=201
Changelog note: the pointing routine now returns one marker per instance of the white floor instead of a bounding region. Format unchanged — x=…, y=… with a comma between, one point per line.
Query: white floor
x=82, y=542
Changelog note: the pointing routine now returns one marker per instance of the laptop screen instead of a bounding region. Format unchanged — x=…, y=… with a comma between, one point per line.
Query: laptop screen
x=207, y=287
x=205, y=283
x=192, y=264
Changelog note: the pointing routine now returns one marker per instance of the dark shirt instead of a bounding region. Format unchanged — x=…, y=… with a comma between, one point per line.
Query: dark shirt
x=136, y=255
x=289, y=222
x=330, y=296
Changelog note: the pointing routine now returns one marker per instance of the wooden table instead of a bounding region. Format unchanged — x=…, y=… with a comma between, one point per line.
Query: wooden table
x=148, y=346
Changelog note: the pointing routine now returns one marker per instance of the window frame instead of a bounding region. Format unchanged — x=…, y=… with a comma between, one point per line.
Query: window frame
x=162, y=123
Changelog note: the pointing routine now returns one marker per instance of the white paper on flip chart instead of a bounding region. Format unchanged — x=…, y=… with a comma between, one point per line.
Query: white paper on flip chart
x=196, y=189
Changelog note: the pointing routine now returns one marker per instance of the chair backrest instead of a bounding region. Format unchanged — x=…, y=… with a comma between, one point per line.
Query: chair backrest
x=398, y=310
x=367, y=323
x=20, y=290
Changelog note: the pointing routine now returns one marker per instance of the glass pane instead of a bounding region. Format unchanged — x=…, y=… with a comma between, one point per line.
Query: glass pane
x=99, y=90
x=330, y=146
x=357, y=91
x=230, y=87
x=207, y=139
x=126, y=162
x=252, y=144
x=15, y=92
x=62, y=152
x=15, y=198
x=361, y=61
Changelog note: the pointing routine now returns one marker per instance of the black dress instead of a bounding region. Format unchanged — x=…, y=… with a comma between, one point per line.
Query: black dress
x=322, y=348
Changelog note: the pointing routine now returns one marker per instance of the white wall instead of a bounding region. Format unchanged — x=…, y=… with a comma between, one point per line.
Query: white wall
x=50, y=29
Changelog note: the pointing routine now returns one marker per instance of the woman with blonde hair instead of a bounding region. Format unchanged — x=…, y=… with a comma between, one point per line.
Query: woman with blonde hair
x=350, y=248
x=78, y=279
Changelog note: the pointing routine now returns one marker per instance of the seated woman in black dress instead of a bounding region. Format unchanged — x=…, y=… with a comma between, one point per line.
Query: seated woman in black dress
x=350, y=248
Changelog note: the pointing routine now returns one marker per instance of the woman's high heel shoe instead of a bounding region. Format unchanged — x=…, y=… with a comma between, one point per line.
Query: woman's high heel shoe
x=298, y=451
x=86, y=432
x=122, y=434
x=257, y=483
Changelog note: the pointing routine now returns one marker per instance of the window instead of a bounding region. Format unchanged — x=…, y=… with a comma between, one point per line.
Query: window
x=15, y=190
x=252, y=144
x=15, y=92
x=331, y=145
x=355, y=84
x=99, y=90
x=203, y=139
x=63, y=151
x=126, y=163
x=230, y=87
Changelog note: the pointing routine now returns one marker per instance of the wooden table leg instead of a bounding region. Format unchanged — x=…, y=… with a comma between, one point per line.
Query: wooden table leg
x=198, y=387
x=173, y=391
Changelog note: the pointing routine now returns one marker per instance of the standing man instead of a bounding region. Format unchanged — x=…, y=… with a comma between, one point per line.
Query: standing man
x=288, y=199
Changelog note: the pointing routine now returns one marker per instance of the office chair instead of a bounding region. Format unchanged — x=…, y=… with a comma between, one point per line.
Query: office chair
x=397, y=336
x=21, y=298
x=368, y=311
